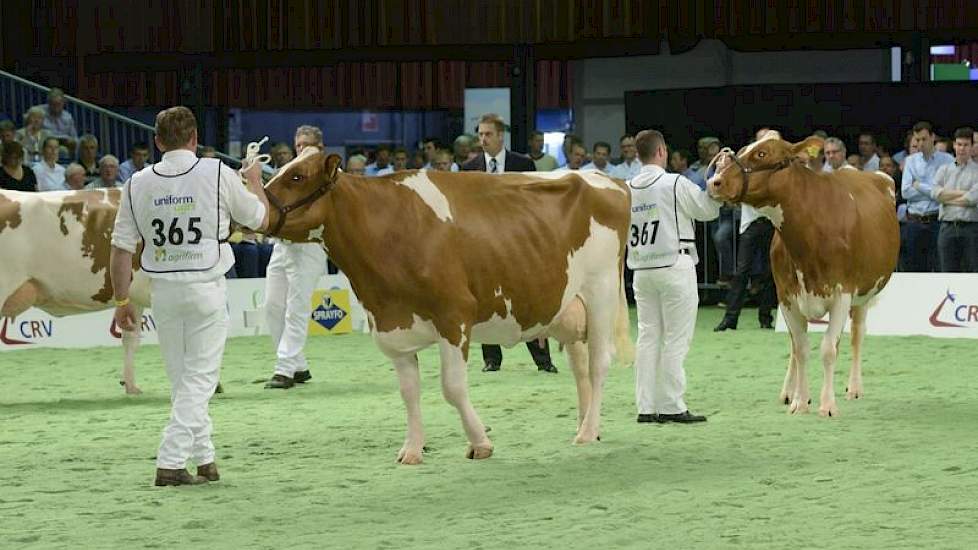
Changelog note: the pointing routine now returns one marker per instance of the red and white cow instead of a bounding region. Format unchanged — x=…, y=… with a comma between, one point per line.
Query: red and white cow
x=836, y=245
x=450, y=258
x=54, y=255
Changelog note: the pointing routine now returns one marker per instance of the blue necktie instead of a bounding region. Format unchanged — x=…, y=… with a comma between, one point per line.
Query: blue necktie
x=493, y=165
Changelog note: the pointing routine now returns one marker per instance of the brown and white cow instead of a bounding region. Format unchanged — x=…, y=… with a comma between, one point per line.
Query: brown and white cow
x=836, y=245
x=54, y=255
x=451, y=258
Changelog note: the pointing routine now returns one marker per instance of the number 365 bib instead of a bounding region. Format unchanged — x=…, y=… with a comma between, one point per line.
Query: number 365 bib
x=177, y=217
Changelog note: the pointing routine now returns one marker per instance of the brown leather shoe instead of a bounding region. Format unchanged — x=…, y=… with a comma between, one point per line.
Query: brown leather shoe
x=165, y=476
x=208, y=472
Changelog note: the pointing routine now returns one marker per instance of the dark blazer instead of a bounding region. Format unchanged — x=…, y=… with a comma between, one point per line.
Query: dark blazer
x=515, y=162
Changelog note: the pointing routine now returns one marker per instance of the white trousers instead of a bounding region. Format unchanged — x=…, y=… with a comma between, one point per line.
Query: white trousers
x=290, y=279
x=192, y=325
x=667, y=299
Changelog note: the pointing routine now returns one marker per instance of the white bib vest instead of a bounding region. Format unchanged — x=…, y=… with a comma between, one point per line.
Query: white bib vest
x=177, y=217
x=658, y=233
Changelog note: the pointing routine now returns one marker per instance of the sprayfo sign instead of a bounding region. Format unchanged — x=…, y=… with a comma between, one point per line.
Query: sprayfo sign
x=944, y=305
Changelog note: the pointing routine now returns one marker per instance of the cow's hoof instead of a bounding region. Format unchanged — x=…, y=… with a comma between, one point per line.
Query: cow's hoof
x=798, y=407
x=409, y=457
x=853, y=394
x=586, y=438
x=828, y=411
x=479, y=452
x=784, y=399
x=131, y=389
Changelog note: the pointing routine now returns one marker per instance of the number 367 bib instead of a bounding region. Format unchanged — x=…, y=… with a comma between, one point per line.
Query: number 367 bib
x=177, y=217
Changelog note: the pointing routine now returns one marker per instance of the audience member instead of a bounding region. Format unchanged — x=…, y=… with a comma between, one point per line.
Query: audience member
x=922, y=210
x=835, y=155
x=442, y=161
x=869, y=159
x=543, y=161
x=382, y=161
x=706, y=149
x=357, y=165
x=88, y=156
x=398, y=163
x=108, y=171
x=138, y=155
x=15, y=176
x=8, y=131
x=59, y=122
x=50, y=175
x=75, y=177
x=601, y=152
x=460, y=150
x=33, y=134
x=577, y=155
x=956, y=189
x=630, y=166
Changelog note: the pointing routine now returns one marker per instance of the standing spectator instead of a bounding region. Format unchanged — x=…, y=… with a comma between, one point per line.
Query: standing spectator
x=543, y=161
x=629, y=166
x=290, y=278
x=901, y=156
x=187, y=278
x=599, y=158
x=418, y=160
x=835, y=156
x=33, y=134
x=662, y=252
x=15, y=176
x=495, y=160
x=577, y=155
x=460, y=151
x=383, y=160
x=678, y=161
x=75, y=177
x=58, y=122
x=88, y=156
x=281, y=154
x=974, y=147
x=942, y=144
x=442, y=161
x=8, y=131
x=869, y=159
x=50, y=175
x=956, y=189
x=430, y=146
x=108, y=172
x=706, y=149
x=922, y=210
x=138, y=155
x=400, y=160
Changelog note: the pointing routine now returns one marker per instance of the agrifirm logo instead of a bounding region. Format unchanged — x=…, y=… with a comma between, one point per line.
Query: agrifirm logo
x=162, y=256
x=26, y=332
x=951, y=314
x=328, y=314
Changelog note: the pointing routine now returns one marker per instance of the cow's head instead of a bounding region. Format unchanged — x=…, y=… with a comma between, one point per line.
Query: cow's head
x=294, y=191
x=743, y=177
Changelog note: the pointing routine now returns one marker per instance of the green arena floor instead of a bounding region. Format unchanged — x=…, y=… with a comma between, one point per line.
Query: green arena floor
x=313, y=467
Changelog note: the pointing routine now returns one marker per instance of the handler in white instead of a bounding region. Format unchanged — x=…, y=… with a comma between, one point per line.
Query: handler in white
x=180, y=209
x=291, y=276
x=662, y=252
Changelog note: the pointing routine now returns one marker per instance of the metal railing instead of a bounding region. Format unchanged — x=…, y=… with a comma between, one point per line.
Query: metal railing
x=116, y=133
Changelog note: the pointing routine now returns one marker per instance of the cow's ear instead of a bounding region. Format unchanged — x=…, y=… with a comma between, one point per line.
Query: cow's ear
x=808, y=148
x=332, y=166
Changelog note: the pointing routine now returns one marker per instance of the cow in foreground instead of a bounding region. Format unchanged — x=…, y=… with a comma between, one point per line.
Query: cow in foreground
x=54, y=255
x=836, y=245
x=451, y=258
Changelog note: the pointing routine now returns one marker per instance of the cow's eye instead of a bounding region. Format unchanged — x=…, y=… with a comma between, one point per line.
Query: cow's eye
x=761, y=154
x=297, y=177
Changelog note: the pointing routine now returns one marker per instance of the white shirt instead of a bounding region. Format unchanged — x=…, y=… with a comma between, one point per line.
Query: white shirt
x=626, y=170
x=608, y=167
x=48, y=178
x=236, y=202
x=500, y=159
x=127, y=169
x=873, y=164
x=389, y=169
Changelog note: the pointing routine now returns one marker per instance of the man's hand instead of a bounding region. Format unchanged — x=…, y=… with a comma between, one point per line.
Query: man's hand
x=125, y=317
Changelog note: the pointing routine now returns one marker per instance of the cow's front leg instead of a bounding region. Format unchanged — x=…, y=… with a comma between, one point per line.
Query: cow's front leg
x=410, y=382
x=798, y=328
x=830, y=352
x=454, y=386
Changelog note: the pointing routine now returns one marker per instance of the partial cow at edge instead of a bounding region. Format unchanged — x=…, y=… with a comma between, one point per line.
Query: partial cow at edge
x=54, y=255
x=836, y=246
x=453, y=258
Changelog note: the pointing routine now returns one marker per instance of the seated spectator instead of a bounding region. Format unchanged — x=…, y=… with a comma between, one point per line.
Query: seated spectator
x=108, y=171
x=629, y=166
x=383, y=160
x=442, y=160
x=956, y=189
x=869, y=158
x=50, y=175
x=33, y=134
x=14, y=175
x=601, y=152
x=356, y=165
x=418, y=160
x=88, y=156
x=399, y=162
x=138, y=155
x=577, y=155
x=429, y=146
x=58, y=122
x=835, y=156
x=75, y=178
x=543, y=161
x=7, y=131
x=460, y=150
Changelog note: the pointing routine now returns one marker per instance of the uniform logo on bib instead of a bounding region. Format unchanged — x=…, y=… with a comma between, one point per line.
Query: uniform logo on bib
x=179, y=205
x=328, y=314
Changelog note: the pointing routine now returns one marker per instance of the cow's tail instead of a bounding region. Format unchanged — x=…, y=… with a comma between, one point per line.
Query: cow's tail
x=624, y=347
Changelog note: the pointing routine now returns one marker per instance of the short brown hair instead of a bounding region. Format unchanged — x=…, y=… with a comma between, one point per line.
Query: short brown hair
x=12, y=150
x=493, y=118
x=647, y=142
x=964, y=133
x=923, y=125
x=175, y=126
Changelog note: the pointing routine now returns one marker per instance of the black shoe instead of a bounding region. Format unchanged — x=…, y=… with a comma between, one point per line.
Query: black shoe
x=301, y=376
x=549, y=367
x=279, y=382
x=648, y=419
x=490, y=367
x=724, y=325
x=684, y=417
x=767, y=325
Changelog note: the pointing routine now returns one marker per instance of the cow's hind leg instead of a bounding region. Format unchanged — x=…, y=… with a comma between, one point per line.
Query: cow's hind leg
x=20, y=300
x=858, y=328
x=602, y=300
x=410, y=381
x=798, y=328
x=454, y=386
x=577, y=357
x=838, y=313
x=790, y=377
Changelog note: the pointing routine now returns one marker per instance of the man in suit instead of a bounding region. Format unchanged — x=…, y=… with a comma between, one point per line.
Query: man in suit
x=495, y=159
